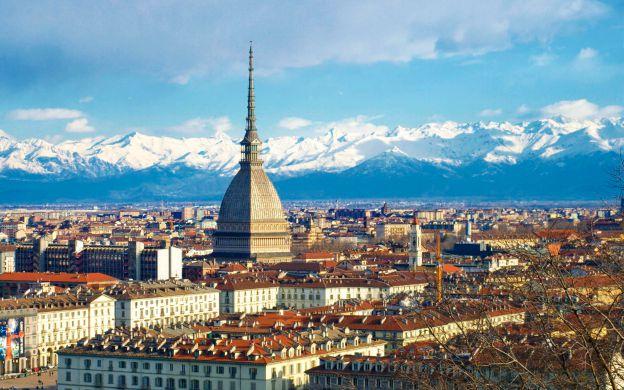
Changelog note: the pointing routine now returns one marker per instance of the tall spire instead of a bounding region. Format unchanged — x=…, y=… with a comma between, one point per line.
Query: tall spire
x=250, y=130
x=251, y=142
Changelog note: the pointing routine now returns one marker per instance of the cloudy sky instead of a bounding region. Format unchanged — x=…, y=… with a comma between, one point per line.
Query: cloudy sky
x=69, y=69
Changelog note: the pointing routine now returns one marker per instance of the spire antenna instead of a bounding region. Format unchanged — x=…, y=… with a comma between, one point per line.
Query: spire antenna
x=251, y=99
x=251, y=143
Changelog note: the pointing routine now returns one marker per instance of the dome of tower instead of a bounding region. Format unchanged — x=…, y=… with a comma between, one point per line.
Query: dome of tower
x=251, y=197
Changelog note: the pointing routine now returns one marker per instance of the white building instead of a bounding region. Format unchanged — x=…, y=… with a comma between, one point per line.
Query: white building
x=7, y=259
x=145, y=304
x=142, y=362
x=40, y=326
x=328, y=291
x=415, y=246
x=250, y=295
x=247, y=296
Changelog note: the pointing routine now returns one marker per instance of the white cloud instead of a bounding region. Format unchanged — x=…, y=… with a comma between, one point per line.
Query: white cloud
x=207, y=37
x=181, y=79
x=543, y=59
x=200, y=126
x=587, y=53
x=80, y=125
x=361, y=124
x=581, y=109
x=43, y=114
x=293, y=123
x=523, y=109
x=491, y=112
x=86, y=99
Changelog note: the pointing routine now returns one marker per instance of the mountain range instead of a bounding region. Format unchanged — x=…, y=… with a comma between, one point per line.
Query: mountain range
x=554, y=158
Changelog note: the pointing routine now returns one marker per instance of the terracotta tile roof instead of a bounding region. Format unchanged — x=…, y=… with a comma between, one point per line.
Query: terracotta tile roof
x=61, y=277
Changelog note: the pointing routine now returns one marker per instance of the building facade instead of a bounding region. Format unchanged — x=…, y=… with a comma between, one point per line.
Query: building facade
x=39, y=327
x=132, y=261
x=162, y=303
x=278, y=362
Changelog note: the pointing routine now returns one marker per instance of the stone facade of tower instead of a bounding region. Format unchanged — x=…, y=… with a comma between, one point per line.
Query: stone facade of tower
x=415, y=248
x=252, y=225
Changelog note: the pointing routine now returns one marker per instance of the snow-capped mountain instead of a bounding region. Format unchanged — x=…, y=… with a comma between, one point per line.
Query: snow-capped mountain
x=434, y=152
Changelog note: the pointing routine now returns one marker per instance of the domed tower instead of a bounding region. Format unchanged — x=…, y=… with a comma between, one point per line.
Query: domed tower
x=252, y=224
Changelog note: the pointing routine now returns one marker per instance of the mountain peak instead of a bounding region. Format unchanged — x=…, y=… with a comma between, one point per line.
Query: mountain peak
x=395, y=150
x=338, y=149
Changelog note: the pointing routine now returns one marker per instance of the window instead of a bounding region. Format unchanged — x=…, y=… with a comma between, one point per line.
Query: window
x=194, y=384
x=110, y=379
x=134, y=366
x=87, y=377
x=170, y=383
x=99, y=362
x=158, y=367
x=182, y=383
x=68, y=376
x=68, y=362
x=220, y=369
x=135, y=380
x=121, y=380
x=146, y=366
x=207, y=385
x=207, y=370
x=232, y=372
x=158, y=382
x=232, y=385
x=253, y=372
x=195, y=368
x=145, y=382
x=122, y=364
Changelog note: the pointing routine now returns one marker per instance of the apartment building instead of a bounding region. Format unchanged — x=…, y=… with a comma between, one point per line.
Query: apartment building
x=328, y=291
x=276, y=362
x=7, y=258
x=247, y=295
x=251, y=294
x=162, y=303
x=34, y=329
x=132, y=261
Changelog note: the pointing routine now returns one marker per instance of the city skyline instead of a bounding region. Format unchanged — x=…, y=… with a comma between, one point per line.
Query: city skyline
x=174, y=74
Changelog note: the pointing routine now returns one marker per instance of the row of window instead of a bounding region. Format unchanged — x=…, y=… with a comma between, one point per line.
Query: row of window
x=157, y=382
x=158, y=367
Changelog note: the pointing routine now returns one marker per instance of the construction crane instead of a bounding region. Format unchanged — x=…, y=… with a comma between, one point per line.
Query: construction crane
x=439, y=269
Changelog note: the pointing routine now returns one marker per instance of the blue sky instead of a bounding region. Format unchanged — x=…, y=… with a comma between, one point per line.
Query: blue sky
x=178, y=68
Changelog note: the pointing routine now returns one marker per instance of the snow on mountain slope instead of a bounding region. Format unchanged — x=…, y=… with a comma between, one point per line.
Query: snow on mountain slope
x=448, y=143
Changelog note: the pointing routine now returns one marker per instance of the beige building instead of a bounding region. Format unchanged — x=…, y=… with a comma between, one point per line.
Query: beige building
x=386, y=231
